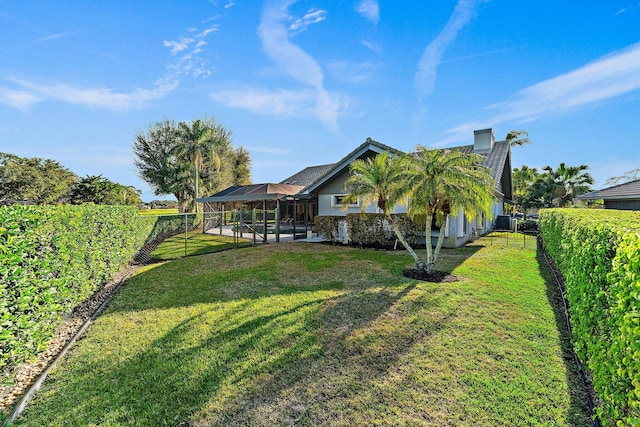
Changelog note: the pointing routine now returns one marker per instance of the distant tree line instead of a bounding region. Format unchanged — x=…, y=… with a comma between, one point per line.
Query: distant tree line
x=550, y=187
x=45, y=181
x=190, y=160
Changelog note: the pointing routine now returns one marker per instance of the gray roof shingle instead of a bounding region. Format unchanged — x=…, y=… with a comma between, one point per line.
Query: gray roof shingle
x=495, y=160
x=628, y=190
x=308, y=175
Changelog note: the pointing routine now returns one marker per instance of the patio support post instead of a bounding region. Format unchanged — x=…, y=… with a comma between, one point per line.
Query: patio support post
x=264, y=221
x=254, y=223
x=241, y=220
x=221, y=208
x=306, y=218
x=278, y=221
x=295, y=211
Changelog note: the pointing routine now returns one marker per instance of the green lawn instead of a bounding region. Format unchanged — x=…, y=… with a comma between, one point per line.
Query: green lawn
x=195, y=243
x=158, y=212
x=310, y=334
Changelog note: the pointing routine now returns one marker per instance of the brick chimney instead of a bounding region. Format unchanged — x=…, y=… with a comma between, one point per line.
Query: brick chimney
x=483, y=140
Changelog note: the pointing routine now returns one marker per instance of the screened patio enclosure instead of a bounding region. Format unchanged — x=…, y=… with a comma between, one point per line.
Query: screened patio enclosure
x=270, y=211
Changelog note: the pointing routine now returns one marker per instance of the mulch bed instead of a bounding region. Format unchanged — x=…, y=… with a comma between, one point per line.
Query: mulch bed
x=436, y=276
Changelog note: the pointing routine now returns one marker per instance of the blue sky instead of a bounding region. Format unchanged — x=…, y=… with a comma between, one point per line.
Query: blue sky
x=302, y=83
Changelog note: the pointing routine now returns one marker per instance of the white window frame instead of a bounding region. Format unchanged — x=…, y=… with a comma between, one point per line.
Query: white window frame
x=336, y=204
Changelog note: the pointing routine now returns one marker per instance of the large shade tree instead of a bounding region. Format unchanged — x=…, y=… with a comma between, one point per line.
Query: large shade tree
x=189, y=160
x=40, y=181
x=102, y=191
x=199, y=144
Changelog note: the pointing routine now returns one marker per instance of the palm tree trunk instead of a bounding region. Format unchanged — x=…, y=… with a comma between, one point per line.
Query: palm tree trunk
x=427, y=238
x=420, y=265
x=195, y=196
x=432, y=266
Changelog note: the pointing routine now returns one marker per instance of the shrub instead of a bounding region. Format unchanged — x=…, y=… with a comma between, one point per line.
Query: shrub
x=51, y=259
x=598, y=252
x=327, y=227
x=369, y=229
x=528, y=226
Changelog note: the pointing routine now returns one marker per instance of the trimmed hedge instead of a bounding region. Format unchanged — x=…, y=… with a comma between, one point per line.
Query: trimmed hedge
x=51, y=259
x=369, y=229
x=598, y=252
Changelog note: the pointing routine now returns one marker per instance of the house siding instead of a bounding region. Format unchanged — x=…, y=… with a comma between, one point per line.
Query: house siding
x=628, y=205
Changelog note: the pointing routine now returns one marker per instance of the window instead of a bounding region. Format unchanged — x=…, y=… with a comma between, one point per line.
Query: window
x=337, y=199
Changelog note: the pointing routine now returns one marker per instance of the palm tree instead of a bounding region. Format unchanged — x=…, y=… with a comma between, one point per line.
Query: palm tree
x=570, y=181
x=523, y=179
x=199, y=142
x=517, y=137
x=379, y=181
x=445, y=181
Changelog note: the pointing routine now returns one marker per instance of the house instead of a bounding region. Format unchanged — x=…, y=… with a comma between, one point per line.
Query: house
x=622, y=196
x=318, y=190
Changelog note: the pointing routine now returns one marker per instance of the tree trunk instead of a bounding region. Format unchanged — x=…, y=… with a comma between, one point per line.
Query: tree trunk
x=420, y=265
x=432, y=255
x=437, y=250
x=427, y=239
x=195, y=197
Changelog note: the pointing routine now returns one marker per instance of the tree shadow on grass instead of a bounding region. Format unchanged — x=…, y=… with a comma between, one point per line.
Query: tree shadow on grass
x=197, y=360
x=301, y=353
x=579, y=411
x=360, y=336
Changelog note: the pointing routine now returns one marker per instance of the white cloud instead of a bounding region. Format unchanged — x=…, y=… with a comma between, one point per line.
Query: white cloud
x=355, y=73
x=19, y=99
x=229, y=4
x=369, y=9
x=605, y=78
x=432, y=55
x=189, y=63
x=32, y=92
x=313, y=16
x=370, y=45
x=178, y=46
x=279, y=102
x=627, y=9
x=294, y=61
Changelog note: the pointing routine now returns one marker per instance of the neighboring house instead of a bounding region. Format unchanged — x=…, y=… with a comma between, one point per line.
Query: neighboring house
x=622, y=196
x=322, y=189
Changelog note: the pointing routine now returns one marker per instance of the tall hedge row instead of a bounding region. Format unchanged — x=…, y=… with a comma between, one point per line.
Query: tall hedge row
x=598, y=252
x=52, y=258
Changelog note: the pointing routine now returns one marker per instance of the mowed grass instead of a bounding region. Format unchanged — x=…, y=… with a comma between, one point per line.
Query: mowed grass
x=308, y=334
x=172, y=211
x=195, y=242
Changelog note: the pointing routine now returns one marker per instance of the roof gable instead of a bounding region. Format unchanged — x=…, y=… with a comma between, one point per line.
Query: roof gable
x=337, y=168
x=496, y=160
